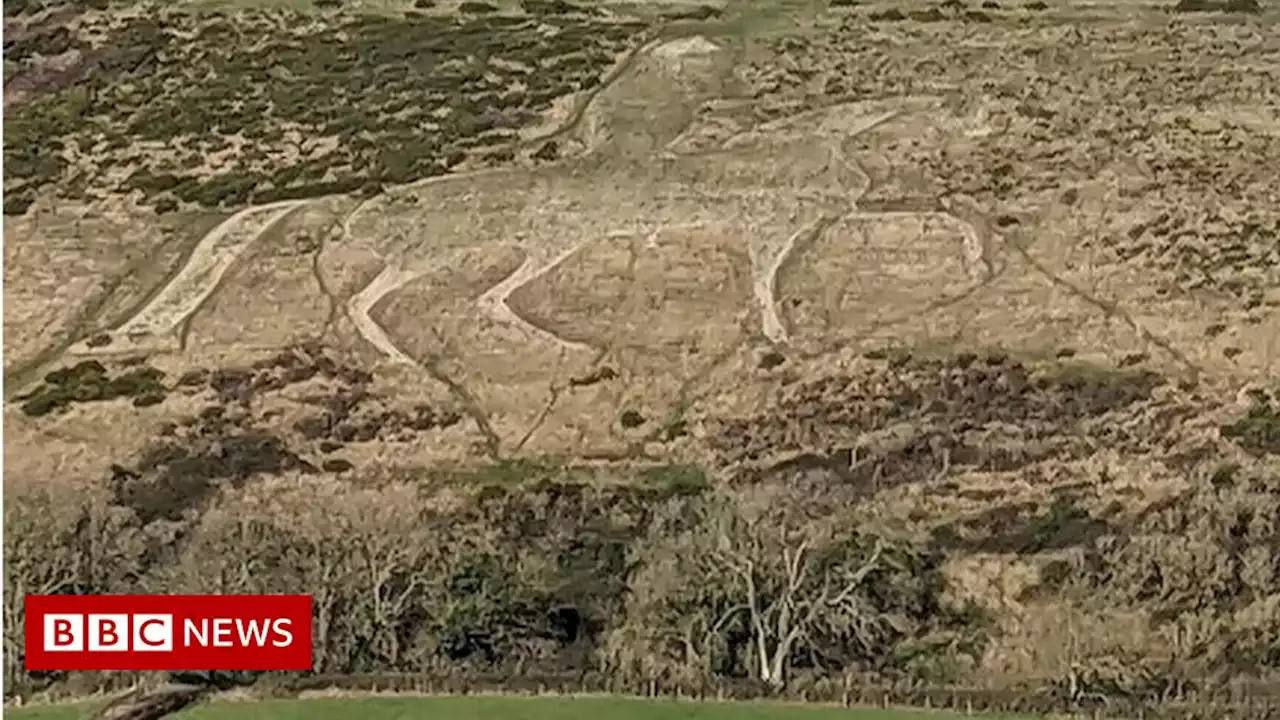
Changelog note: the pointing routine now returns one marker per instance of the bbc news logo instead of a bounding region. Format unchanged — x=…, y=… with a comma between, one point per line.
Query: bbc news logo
x=168, y=632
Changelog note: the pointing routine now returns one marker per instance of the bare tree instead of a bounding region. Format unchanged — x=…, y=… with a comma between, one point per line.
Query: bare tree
x=789, y=588
x=247, y=545
x=751, y=567
x=39, y=559
x=61, y=538
x=370, y=557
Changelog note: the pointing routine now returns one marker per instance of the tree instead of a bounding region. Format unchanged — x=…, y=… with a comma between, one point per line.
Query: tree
x=39, y=559
x=369, y=557
x=748, y=581
x=62, y=538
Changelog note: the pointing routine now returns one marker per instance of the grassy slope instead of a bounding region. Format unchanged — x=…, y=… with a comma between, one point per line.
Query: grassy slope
x=504, y=708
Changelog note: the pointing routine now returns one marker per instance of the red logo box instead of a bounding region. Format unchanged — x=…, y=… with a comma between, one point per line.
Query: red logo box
x=168, y=632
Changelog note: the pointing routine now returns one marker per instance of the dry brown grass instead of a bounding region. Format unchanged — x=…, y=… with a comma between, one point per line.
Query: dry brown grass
x=74, y=271
x=1019, y=312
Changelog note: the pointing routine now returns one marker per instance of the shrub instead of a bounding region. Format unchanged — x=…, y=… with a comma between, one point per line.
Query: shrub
x=1258, y=432
x=89, y=381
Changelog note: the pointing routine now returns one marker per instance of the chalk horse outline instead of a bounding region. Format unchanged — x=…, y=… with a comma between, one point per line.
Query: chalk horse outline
x=771, y=185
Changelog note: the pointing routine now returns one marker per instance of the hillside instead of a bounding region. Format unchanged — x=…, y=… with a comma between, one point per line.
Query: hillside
x=769, y=348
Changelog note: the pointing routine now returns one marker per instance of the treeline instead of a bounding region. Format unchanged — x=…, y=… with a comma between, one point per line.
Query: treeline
x=637, y=579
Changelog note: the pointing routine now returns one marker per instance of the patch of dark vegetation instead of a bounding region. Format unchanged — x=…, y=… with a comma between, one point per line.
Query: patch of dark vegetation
x=89, y=381
x=771, y=360
x=42, y=41
x=1132, y=359
x=226, y=443
x=672, y=430
x=701, y=12
x=342, y=422
x=890, y=15
x=21, y=8
x=1024, y=529
x=1251, y=7
x=180, y=473
x=378, y=81
x=99, y=340
x=341, y=410
x=476, y=8
x=556, y=7
x=926, y=16
x=1054, y=576
x=193, y=378
x=44, y=53
x=542, y=474
x=1091, y=389
x=349, y=411
x=337, y=465
x=548, y=152
x=510, y=473
x=907, y=420
x=1258, y=432
x=631, y=419
x=1224, y=475
x=676, y=479
x=595, y=377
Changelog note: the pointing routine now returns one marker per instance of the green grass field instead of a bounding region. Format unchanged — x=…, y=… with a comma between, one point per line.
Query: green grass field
x=504, y=708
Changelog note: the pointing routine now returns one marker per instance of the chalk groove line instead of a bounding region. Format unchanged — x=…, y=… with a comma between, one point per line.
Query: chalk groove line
x=157, y=323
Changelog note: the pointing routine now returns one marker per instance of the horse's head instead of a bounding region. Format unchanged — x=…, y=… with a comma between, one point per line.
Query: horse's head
x=655, y=99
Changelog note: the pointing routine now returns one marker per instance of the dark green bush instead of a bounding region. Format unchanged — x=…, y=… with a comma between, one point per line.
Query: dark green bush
x=88, y=381
x=1258, y=432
